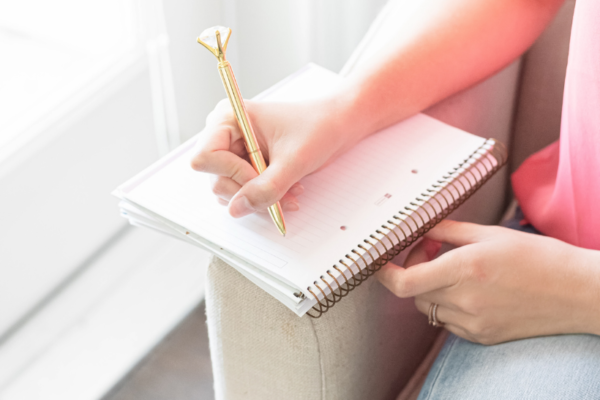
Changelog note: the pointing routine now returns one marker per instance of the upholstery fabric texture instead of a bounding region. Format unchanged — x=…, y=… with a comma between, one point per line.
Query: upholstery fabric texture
x=366, y=349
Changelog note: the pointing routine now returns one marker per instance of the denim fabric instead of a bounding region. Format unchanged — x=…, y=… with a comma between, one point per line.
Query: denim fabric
x=554, y=367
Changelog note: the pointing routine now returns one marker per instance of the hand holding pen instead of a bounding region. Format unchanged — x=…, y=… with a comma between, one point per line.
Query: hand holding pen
x=211, y=39
x=297, y=138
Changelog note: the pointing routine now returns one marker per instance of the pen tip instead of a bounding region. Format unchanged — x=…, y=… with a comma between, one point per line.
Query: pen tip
x=277, y=216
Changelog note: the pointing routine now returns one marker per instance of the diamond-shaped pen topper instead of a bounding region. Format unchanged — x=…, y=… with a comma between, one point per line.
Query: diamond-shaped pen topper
x=215, y=39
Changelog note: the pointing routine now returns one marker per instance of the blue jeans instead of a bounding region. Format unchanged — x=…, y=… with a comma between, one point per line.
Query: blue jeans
x=553, y=367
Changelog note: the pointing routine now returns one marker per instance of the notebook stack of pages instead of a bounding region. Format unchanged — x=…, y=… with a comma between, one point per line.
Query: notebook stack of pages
x=355, y=214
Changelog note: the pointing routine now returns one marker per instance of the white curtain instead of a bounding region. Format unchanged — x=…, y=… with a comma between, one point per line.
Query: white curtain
x=271, y=39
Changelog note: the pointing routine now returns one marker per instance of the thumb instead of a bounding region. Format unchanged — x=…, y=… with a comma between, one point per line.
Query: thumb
x=458, y=233
x=264, y=190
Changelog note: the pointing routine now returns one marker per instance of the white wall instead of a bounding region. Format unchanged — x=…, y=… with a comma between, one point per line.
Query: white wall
x=56, y=208
x=271, y=39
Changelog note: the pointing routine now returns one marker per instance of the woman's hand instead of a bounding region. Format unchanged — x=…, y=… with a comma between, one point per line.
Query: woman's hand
x=296, y=139
x=501, y=284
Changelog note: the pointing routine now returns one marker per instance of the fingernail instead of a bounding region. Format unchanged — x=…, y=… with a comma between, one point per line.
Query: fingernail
x=240, y=207
x=432, y=248
x=291, y=206
x=297, y=189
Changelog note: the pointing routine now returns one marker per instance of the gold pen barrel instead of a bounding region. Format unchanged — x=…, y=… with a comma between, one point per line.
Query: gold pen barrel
x=235, y=97
x=254, y=153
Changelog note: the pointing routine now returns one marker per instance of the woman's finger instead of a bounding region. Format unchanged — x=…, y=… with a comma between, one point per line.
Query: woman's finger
x=390, y=274
x=224, y=187
x=441, y=296
x=426, y=277
x=288, y=203
x=218, y=151
x=265, y=189
x=239, y=148
x=451, y=320
x=221, y=130
x=224, y=163
x=458, y=233
x=297, y=189
x=443, y=314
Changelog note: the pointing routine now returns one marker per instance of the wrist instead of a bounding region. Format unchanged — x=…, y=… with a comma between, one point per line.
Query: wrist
x=595, y=295
x=588, y=261
x=368, y=104
x=360, y=112
x=350, y=120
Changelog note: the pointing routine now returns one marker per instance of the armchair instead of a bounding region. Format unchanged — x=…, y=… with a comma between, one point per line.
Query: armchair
x=372, y=343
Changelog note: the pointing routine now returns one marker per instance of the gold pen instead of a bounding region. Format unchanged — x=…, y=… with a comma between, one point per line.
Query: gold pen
x=211, y=39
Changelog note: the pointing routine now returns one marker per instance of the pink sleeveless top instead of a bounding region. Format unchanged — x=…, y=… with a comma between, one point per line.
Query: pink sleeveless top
x=558, y=188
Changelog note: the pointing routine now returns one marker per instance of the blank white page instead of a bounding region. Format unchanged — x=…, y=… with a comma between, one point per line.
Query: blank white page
x=342, y=204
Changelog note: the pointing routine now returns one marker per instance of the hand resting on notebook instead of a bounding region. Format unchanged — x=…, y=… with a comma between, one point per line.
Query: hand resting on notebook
x=500, y=284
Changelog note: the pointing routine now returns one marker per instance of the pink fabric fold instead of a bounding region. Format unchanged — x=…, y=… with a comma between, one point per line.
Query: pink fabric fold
x=558, y=188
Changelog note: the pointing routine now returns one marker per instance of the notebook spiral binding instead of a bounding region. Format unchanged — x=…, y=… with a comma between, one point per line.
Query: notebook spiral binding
x=424, y=212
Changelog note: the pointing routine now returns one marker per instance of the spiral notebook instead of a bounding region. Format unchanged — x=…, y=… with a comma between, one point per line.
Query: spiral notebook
x=355, y=215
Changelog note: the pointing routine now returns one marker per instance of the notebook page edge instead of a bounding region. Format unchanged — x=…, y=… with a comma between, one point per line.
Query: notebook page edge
x=246, y=267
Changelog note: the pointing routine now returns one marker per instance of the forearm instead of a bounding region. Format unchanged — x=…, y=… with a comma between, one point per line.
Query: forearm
x=446, y=46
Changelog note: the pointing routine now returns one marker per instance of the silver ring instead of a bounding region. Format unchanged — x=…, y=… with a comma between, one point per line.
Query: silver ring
x=432, y=314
